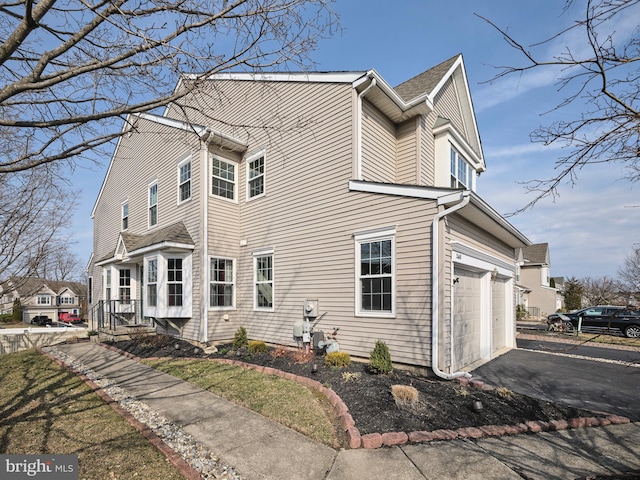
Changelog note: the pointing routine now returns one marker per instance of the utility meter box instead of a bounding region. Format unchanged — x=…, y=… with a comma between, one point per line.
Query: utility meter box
x=310, y=308
x=298, y=330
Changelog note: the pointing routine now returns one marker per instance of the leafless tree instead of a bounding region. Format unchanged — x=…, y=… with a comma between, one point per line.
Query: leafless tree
x=33, y=207
x=629, y=272
x=600, y=290
x=59, y=262
x=71, y=70
x=602, y=76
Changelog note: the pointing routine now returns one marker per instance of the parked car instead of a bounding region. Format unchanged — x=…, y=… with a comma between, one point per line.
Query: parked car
x=69, y=318
x=41, y=320
x=624, y=319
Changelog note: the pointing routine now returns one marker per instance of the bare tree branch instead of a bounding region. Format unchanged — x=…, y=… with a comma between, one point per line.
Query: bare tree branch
x=604, y=81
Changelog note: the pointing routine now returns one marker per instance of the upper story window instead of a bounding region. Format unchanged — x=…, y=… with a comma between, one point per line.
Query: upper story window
x=174, y=282
x=152, y=282
x=461, y=171
x=222, y=283
x=153, y=204
x=255, y=176
x=375, y=272
x=44, y=300
x=223, y=179
x=125, y=216
x=124, y=291
x=263, y=280
x=67, y=300
x=184, y=181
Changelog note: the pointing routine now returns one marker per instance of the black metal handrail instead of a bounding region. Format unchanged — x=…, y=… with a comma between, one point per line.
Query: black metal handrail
x=110, y=314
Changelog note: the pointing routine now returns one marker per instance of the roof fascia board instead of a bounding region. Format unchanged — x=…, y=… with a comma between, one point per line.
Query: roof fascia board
x=499, y=219
x=382, y=84
x=161, y=246
x=314, y=77
x=414, y=191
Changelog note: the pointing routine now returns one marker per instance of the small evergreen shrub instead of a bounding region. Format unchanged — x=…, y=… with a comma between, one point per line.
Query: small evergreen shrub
x=380, y=359
x=240, y=339
x=257, y=346
x=337, y=359
x=6, y=318
x=404, y=395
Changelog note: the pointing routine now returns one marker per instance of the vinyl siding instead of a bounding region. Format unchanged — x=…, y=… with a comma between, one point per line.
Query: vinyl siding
x=447, y=105
x=156, y=151
x=379, y=146
x=408, y=152
x=427, y=150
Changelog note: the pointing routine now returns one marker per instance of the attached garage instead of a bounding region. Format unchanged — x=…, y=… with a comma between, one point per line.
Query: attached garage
x=467, y=320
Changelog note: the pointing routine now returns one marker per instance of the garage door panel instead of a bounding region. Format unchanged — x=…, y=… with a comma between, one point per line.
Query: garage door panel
x=466, y=318
x=498, y=314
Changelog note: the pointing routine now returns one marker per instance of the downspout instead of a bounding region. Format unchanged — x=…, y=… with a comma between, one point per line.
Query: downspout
x=435, y=286
x=205, y=236
x=359, y=138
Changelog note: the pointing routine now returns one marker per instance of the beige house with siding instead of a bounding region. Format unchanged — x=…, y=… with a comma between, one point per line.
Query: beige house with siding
x=331, y=189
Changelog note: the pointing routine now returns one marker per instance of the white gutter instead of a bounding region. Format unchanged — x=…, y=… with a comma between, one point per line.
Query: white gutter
x=359, y=137
x=435, y=286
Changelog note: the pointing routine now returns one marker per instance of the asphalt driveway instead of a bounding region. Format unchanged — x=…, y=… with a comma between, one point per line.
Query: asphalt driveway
x=584, y=383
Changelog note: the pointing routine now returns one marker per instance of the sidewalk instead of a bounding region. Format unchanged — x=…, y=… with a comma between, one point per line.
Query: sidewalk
x=259, y=448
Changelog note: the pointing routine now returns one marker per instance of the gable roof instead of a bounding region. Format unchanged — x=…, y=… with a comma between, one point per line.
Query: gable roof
x=426, y=81
x=537, y=254
x=30, y=286
x=129, y=244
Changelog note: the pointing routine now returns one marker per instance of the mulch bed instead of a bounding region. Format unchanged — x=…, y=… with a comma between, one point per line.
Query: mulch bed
x=441, y=405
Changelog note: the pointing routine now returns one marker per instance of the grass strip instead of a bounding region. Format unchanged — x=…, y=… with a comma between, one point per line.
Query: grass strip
x=46, y=409
x=286, y=402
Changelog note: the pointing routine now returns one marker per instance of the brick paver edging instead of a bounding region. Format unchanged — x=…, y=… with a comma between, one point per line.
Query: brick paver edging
x=377, y=440
x=176, y=460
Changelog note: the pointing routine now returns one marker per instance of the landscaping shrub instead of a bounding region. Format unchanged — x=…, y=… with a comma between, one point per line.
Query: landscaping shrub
x=257, y=346
x=380, y=359
x=300, y=356
x=279, y=352
x=240, y=339
x=6, y=318
x=337, y=359
x=404, y=395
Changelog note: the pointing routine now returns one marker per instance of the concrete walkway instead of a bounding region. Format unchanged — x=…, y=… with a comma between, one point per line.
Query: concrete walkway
x=259, y=448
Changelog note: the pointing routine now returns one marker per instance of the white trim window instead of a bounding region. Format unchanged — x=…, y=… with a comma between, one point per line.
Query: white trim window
x=184, y=180
x=263, y=280
x=107, y=283
x=461, y=172
x=153, y=204
x=375, y=273
x=152, y=282
x=125, y=216
x=221, y=283
x=124, y=284
x=223, y=178
x=256, y=166
x=44, y=300
x=67, y=300
x=174, y=282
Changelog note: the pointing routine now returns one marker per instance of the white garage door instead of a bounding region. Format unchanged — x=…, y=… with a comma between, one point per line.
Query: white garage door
x=498, y=314
x=466, y=318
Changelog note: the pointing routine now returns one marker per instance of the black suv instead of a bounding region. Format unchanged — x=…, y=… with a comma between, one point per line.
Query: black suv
x=624, y=319
x=41, y=320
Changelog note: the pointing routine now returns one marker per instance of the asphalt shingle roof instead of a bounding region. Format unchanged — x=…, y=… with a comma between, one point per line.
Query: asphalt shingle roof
x=424, y=82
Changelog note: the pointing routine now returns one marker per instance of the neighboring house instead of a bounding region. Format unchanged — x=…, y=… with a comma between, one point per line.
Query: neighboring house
x=329, y=189
x=540, y=298
x=42, y=297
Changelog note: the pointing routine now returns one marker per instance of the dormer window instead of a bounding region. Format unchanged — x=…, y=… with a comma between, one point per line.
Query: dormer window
x=461, y=171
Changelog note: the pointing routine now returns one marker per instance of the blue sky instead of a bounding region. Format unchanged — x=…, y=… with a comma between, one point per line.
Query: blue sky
x=590, y=227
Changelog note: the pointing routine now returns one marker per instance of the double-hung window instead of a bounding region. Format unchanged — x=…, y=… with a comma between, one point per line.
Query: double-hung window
x=125, y=216
x=223, y=179
x=222, y=283
x=124, y=292
x=461, y=171
x=107, y=282
x=255, y=176
x=44, y=300
x=174, y=282
x=263, y=280
x=184, y=181
x=375, y=273
x=153, y=204
x=152, y=282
